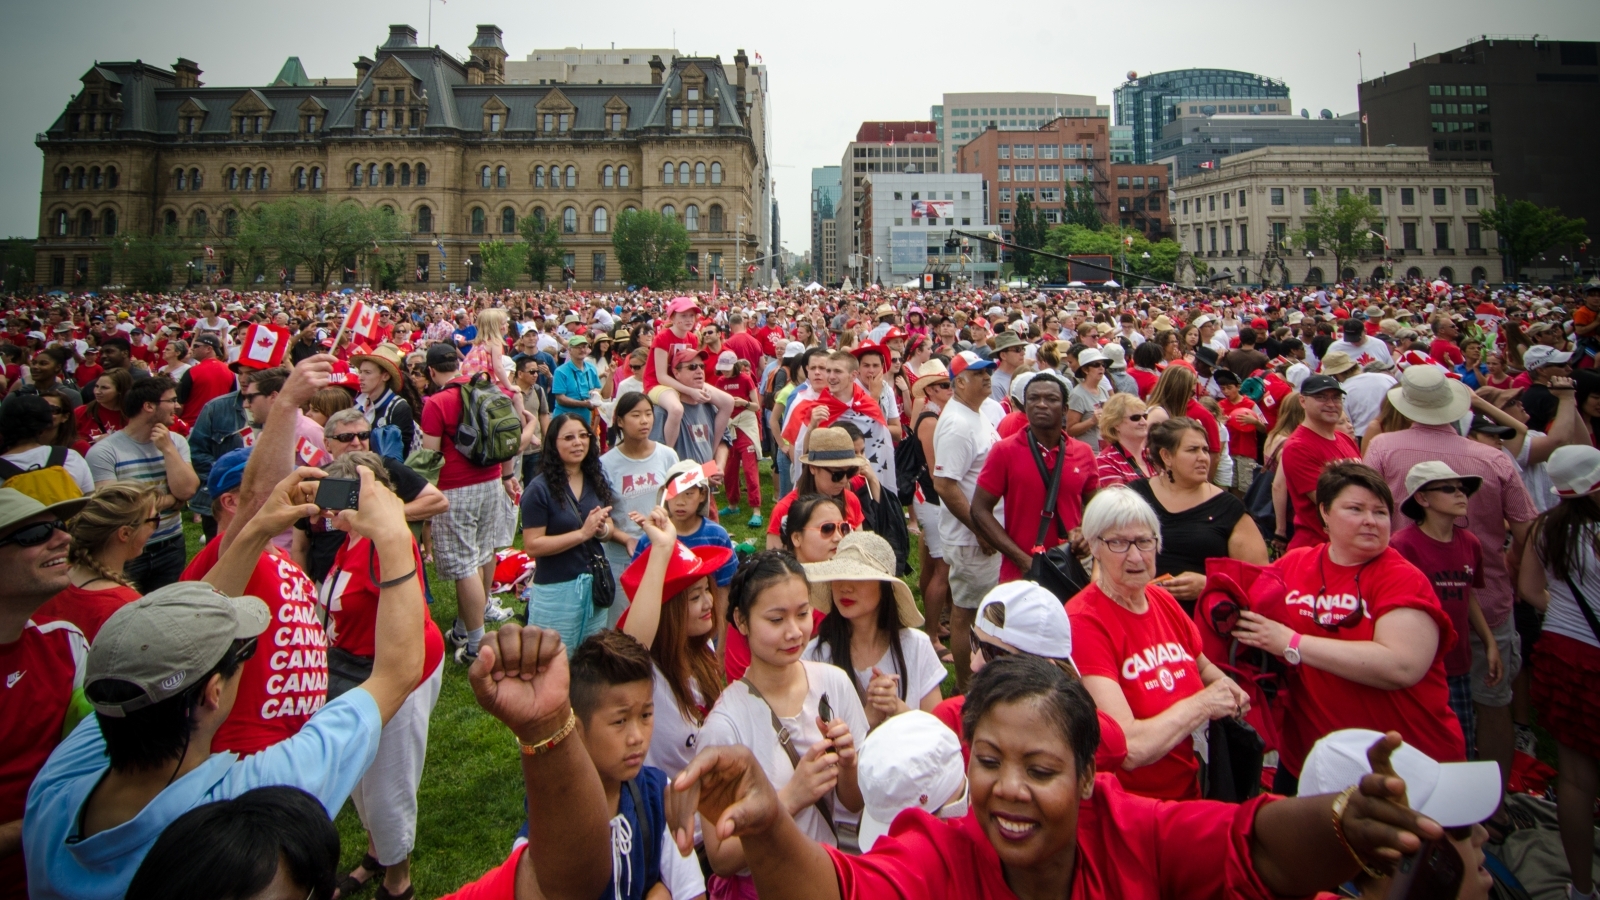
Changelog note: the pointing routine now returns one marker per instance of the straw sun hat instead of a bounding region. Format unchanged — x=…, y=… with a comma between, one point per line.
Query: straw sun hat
x=862, y=556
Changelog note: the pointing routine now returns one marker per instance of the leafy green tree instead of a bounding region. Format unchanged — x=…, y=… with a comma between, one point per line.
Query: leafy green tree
x=1027, y=230
x=502, y=264
x=1080, y=209
x=150, y=261
x=542, y=246
x=1529, y=229
x=16, y=263
x=650, y=248
x=323, y=237
x=1078, y=240
x=1339, y=227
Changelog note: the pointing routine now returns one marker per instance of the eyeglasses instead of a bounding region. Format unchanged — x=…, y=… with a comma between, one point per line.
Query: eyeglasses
x=350, y=436
x=1446, y=489
x=1138, y=417
x=1353, y=617
x=35, y=534
x=153, y=520
x=991, y=652
x=827, y=529
x=1224, y=617
x=246, y=397
x=694, y=367
x=1122, y=545
x=839, y=475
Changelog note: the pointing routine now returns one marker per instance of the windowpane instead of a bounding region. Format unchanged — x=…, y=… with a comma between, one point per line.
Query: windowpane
x=569, y=221
x=716, y=173
x=666, y=173
x=508, y=221
x=691, y=217
x=601, y=221
x=623, y=177
x=478, y=221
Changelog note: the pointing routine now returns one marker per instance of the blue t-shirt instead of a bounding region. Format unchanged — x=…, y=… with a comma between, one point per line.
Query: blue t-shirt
x=709, y=534
x=326, y=758
x=467, y=336
x=574, y=382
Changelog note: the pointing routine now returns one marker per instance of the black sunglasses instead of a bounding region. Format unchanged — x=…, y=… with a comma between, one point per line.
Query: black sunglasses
x=352, y=436
x=839, y=475
x=991, y=652
x=246, y=649
x=1138, y=417
x=35, y=534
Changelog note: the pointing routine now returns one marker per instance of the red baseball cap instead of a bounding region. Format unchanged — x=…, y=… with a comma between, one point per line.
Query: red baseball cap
x=686, y=354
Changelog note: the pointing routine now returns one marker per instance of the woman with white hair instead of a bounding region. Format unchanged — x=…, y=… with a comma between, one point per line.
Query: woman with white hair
x=1139, y=654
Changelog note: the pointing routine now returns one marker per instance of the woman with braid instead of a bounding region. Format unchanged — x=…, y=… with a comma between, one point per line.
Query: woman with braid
x=110, y=530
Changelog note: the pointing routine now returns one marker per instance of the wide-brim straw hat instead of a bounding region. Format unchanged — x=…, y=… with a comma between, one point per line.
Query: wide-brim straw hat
x=387, y=357
x=1428, y=396
x=862, y=556
x=929, y=374
x=831, y=448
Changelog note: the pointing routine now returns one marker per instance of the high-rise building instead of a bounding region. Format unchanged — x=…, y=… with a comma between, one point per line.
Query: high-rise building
x=1189, y=142
x=1148, y=103
x=1530, y=107
x=962, y=117
x=906, y=225
x=879, y=148
x=825, y=188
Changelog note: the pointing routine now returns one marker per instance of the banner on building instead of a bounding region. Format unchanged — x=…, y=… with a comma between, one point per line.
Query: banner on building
x=933, y=209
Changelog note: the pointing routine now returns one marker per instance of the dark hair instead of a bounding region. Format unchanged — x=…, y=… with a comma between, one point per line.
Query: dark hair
x=159, y=733
x=118, y=341
x=1320, y=345
x=59, y=354
x=1247, y=335
x=604, y=660
x=626, y=404
x=234, y=848
x=1062, y=699
x=26, y=417
x=834, y=633
x=688, y=663
x=1348, y=473
x=1289, y=345
x=851, y=429
x=145, y=390
x=756, y=574
x=1168, y=435
x=800, y=513
x=1045, y=378
x=555, y=471
x=1148, y=358
x=270, y=381
x=122, y=380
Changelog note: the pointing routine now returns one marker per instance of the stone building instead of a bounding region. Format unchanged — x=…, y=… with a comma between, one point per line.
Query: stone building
x=454, y=150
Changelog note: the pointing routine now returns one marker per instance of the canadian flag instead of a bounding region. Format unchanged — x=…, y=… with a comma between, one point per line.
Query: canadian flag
x=1208, y=164
x=309, y=454
x=210, y=253
x=362, y=321
x=264, y=346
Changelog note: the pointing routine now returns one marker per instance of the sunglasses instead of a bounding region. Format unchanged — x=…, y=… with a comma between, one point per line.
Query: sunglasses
x=839, y=475
x=35, y=534
x=352, y=436
x=247, y=649
x=827, y=529
x=991, y=652
x=1224, y=617
x=1138, y=417
x=251, y=396
x=694, y=367
x=1446, y=489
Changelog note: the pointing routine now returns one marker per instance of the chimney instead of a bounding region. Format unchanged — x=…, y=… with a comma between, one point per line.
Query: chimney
x=657, y=69
x=475, y=71
x=487, y=47
x=740, y=64
x=187, y=73
x=363, y=66
x=401, y=36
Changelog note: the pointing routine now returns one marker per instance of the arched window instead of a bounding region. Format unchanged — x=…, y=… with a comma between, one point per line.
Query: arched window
x=669, y=212
x=624, y=177
x=1378, y=274
x=608, y=177
x=80, y=177
x=483, y=177
x=108, y=222
x=572, y=176
x=197, y=222
x=316, y=178
x=569, y=221
x=478, y=221
x=683, y=173
x=508, y=221
x=716, y=173
x=97, y=179
x=58, y=225
x=601, y=221
x=249, y=179
x=1414, y=273
x=405, y=174
x=355, y=175
x=180, y=180
x=538, y=216
x=230, y=222
x=555, y=176
x=422, y=174
x=66, y=179
x=86, y=222
x=388, y=174
x=372, y=174
x=1447, y=274
x=300, y=178
x=538, y=176
x=231, y=178
x=716, y=218
x=169, y=222
x=1479, y=274
x=1314, y=275
x=111, y=176
x=424, y=220
x=194, y=179
x=501, y=177
x=263, y=178
x=700, y=173
x=691, y=217
x=666, y=173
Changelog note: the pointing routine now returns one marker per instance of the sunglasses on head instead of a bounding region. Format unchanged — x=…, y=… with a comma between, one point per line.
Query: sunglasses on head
x=35, y=534
x=828, y=529
x=246, y=649
x=351, y=436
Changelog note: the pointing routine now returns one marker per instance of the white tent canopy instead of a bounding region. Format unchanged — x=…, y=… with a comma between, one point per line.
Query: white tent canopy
x=813, y=286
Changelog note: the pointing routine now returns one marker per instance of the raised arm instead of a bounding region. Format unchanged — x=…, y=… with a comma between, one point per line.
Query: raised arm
x=644, y=611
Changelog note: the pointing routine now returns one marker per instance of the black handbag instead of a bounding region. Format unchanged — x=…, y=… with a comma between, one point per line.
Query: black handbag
x=1232, y=771
x=603, y=589
x=345, y=671
x=1055, y=569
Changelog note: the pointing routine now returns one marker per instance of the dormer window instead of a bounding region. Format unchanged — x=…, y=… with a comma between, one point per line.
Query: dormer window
x=565, y=121
x=549, y=122
x=616, y=121
x=494, y=122
x=694, y=118
x=366, y=120
x=677, y=118
x=311, y=124
x=710, y=118
x=694, y=93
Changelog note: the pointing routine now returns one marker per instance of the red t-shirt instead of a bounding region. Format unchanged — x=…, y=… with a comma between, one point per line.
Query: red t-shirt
x=441, y=415
x=1242, y=439
x=1444, y=351
x=740, y=386
x=1209, y=423
x=1321, y=594
x=1303, y=457
x=852, y=512
x=747, y=347
x=1154, y=659
x=86, y=374
x=1010, y=473
x=86, y=609
x=668, y=340
x=208, y=380
x=287, y=678
x=350, y=595
x=42, y=668
x=499, y=883
x=1012, y=423
x=1145, y=380
x=1108, y=756
x=1455, y=569
x=93, y=423
x=1127, y=847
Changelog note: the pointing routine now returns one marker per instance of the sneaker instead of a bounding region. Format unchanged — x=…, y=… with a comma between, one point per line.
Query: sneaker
x=494, y=612
x=727, y=511
x=1526, y=741
x=455, y=638
x=463, y=658
x=755, y=521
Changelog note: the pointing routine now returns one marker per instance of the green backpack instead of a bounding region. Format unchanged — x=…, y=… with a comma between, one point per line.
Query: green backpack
x=490, y=431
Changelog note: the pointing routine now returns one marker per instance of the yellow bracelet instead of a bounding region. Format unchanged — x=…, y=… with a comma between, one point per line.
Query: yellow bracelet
x=1339, y=804
x=549, y=743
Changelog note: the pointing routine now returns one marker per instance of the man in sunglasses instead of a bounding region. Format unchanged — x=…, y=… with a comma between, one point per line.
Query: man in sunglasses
x=42, y=663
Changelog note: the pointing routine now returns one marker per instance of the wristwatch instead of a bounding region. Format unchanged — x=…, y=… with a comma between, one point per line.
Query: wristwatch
x=1291, y=653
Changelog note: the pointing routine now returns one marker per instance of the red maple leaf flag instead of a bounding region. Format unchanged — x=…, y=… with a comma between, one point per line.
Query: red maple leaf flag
x=263, y=346
x=362, y=320
x=309, y=454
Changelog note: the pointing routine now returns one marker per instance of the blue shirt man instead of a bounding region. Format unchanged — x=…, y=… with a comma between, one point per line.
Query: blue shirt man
x=574, y=380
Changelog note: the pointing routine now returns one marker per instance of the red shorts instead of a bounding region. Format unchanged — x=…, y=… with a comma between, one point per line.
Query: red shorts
x=1569, y=713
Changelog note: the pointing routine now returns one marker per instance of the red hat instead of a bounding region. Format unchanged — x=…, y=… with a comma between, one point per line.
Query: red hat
x=893, y=332
x=686, y=354
x=1258, y=323
x=687, y=566
x=866, y=347
x=341, y=376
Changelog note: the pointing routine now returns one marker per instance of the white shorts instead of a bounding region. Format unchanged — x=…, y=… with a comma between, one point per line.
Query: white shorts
x=386, y=797
x=928, y=517
x=973, y=574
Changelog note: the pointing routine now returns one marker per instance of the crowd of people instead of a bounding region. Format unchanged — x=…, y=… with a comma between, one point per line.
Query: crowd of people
x=1309, y=564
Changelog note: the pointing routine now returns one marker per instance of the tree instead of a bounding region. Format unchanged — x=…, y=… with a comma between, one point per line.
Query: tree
x=502, y=264
x=16, y=263
x=1528, y=229
x=542, y=246
x=326, y=238
x=650, y=248
x=1027, y=230
x=1339, y=227
x=148, y=261
x=1078, y=240
x=1080, y=208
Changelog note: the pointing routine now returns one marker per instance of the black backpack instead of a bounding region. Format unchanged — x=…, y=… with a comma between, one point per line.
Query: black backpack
x=909, y=463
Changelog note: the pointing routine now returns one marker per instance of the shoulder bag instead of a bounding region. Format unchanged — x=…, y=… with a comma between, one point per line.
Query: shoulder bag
x=787, y=743
x=1056, y=569
x=602, y=590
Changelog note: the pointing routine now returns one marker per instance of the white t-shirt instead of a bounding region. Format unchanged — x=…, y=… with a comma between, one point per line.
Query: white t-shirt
x=1363, y=397
x=1536, y=478
x=675, y=739
x=992, y=412
x=961, y=442
x=635, y=483
x=739, y=719
x=1368, y=350
x=39, y=456
x=924, y=673
x=1563, y=616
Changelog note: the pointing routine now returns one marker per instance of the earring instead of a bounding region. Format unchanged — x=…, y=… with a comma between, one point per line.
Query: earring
x=1171, y=479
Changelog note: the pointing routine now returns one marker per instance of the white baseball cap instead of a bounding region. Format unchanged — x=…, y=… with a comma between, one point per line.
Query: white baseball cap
x=1452, y=794
x=911, y=761
x=1574, y=471
x=1035, y=621
x=726, y=360
x=793, y=349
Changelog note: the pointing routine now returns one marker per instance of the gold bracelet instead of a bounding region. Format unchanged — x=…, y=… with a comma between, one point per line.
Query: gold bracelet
x=1339, y=804
x=549, y=743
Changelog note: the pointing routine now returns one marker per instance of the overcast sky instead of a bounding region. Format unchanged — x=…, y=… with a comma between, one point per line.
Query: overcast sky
x=833, y=64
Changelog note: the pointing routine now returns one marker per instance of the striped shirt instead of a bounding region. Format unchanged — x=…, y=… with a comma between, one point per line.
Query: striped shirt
x=119, y=457
x=1114, y=466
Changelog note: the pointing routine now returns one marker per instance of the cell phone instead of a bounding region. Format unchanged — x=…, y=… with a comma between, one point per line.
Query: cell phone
x=825, y=709
x=1432, y=873
x=339, y=493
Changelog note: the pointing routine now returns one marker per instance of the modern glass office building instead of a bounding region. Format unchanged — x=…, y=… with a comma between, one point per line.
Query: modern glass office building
x=1148, y=103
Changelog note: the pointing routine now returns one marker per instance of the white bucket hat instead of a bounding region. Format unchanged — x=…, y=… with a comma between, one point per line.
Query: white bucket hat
x=911, y=761
x=862, y=556
x=1574, y=471
x=1452, y=794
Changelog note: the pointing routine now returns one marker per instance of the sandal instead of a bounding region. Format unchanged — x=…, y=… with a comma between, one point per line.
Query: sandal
x=407, y=894
x=350, y=885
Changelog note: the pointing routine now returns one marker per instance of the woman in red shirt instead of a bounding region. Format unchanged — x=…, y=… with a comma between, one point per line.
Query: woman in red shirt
x=103, y=414
x=1361, y=629
x=1139, y=654
x=110, y=530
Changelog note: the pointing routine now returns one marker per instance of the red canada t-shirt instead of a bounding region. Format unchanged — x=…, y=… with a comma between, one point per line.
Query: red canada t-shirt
x=42, y=668
x=441, y=415
x=1455, y=569
x=1154, y=659
x=351, y=597
x=1322, y=595
x=668, y=340
x=1209, y=423
x=1010, y=473
x=1242, y=439
x=1304, y=455
x=1145, y=380
x=84, y=608
x=287, y=678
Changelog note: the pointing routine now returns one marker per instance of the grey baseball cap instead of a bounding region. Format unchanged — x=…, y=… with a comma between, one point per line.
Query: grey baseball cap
x=166, y=640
